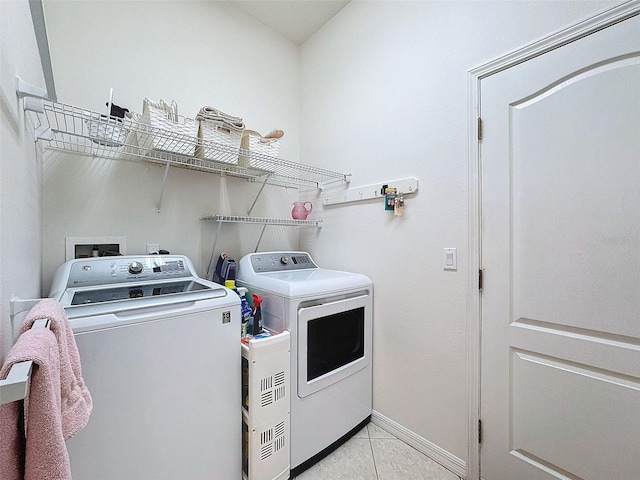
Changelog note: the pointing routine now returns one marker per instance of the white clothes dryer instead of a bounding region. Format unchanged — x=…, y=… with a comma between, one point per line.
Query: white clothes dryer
x=329, y=315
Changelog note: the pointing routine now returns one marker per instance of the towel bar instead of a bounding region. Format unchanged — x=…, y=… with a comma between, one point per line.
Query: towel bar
x=16, y=385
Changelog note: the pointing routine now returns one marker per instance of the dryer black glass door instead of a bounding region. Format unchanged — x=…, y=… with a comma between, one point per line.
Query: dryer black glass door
x=334, y=341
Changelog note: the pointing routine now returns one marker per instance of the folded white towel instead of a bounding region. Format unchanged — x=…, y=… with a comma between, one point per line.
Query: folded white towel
x=215, y=115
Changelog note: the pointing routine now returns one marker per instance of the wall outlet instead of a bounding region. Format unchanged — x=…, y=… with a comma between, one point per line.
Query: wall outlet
x=153, y=248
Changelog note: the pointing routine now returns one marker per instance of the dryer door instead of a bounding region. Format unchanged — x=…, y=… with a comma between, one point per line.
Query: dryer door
x=334, y=341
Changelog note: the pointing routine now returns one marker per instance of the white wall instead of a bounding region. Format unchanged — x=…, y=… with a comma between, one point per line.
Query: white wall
x=20, y=169
x=198, y=53
x=384, y=94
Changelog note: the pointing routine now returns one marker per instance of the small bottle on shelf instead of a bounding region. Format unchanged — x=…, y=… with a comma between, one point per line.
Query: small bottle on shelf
x=257, y=314
x=245, y=309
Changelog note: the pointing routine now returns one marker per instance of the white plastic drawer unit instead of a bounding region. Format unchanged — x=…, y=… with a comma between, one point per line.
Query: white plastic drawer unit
x=266, y=402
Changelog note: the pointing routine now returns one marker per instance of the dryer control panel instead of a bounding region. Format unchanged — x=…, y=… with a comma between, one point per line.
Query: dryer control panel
x=281, y=261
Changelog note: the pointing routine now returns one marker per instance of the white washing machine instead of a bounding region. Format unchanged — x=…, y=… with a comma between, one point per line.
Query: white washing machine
x=329, y=316
x=160, y=354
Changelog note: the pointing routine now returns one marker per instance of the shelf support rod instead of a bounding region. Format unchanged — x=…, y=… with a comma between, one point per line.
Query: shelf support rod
x=164, y=184
x=255, y=200
x=213, y=252
x=264, y=226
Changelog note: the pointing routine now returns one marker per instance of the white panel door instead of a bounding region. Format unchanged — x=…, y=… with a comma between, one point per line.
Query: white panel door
x=560, y=183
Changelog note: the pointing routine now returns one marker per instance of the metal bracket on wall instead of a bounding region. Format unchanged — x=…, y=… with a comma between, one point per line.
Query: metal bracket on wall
x=16, y=384
x=19, y=305
x=367, y=192
x=24, y=89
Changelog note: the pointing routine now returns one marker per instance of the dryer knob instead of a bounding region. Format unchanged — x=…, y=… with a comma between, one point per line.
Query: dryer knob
x=135, y=267
x=284, y=260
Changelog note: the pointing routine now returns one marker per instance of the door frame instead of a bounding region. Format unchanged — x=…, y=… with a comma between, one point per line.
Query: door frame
x=475, y=76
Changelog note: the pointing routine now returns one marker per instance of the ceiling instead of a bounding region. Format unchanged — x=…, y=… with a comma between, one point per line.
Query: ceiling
x=296, y=20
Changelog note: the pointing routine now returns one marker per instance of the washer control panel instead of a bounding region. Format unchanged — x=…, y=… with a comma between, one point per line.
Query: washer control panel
x=122, y=269
x=281, y=261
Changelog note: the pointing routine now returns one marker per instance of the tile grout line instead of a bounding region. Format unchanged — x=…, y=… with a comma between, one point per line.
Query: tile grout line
x=373, y=457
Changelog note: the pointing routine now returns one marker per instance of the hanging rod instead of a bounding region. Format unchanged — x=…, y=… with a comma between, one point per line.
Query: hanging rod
x=16, y=385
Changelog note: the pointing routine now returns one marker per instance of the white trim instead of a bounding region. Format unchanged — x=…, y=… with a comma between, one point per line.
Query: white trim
x=431, y=450
x=562, y=37
x=557, y=39
x=475, y=262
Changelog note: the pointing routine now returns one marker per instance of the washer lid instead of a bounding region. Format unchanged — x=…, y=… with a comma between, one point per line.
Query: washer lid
x=113, y=293
x=87, y=301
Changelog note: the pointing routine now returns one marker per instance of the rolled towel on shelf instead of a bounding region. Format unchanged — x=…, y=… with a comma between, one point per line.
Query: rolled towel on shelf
x=272, y=135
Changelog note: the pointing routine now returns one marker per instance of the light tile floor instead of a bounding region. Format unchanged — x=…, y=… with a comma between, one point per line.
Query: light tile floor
x=375, y=454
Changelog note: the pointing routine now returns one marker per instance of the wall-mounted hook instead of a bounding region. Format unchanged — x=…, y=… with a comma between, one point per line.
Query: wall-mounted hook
x=377, y=190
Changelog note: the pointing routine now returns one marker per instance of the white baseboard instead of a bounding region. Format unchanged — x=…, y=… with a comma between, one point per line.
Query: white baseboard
x=431, y=450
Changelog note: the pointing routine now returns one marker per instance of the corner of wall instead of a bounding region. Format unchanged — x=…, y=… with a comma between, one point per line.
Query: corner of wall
x=20, y=170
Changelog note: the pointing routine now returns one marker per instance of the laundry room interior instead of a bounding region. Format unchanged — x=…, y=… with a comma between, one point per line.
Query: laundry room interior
x=379, y=94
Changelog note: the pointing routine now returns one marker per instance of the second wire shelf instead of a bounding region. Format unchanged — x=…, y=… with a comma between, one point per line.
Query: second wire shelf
x=255, y=221
x=262, y=221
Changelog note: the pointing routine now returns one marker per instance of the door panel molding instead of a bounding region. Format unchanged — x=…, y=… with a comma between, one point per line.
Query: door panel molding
x=474, y=78
x=557, y=407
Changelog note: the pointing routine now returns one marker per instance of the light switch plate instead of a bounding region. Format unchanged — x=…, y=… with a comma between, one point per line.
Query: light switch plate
x=450, y=259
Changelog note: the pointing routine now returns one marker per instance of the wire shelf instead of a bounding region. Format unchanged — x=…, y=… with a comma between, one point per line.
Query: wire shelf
x=73, y=129
x=263, y=221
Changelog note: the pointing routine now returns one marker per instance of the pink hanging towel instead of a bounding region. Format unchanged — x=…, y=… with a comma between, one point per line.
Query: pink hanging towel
x=76, y=403
x=43, y=454
x=58, y=404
